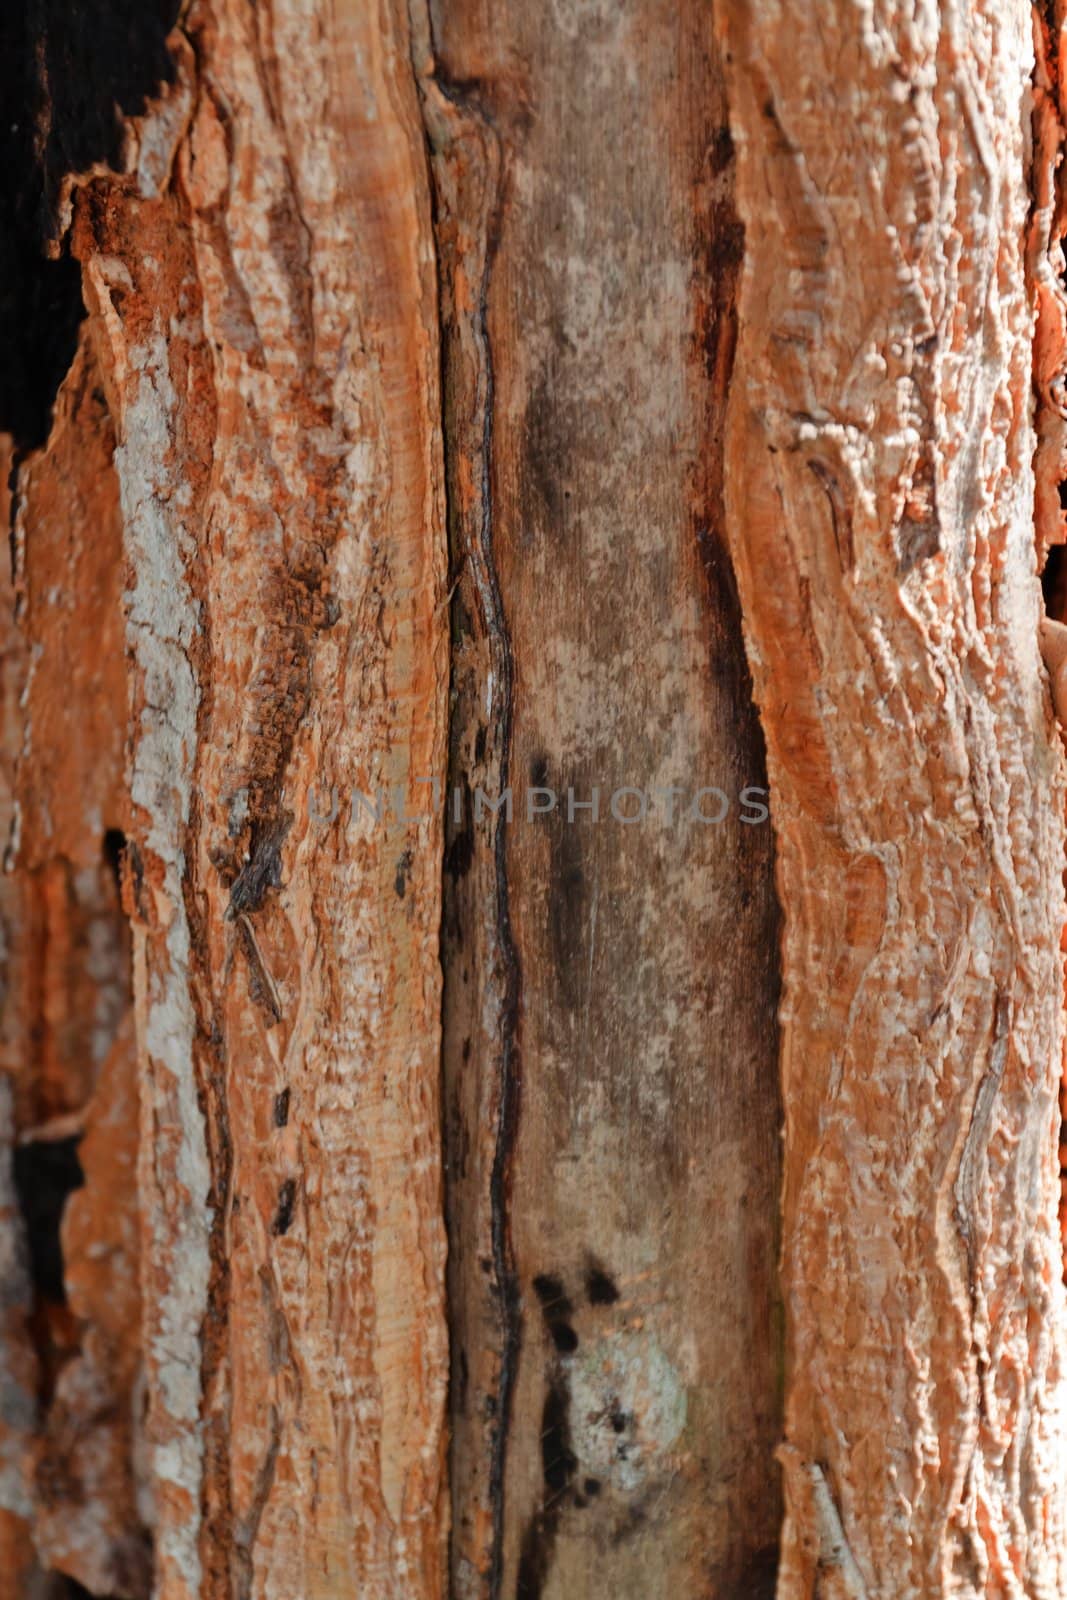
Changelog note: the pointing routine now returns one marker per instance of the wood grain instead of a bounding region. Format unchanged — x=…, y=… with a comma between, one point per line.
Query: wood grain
x=610, y=989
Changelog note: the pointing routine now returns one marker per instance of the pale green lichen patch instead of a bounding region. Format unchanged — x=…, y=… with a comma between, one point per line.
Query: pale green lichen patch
x=628, y=1407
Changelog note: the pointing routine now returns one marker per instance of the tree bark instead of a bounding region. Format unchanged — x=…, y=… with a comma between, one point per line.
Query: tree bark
x=261, y=295
x=267, y=323
x=413, y=412
x=880, y=457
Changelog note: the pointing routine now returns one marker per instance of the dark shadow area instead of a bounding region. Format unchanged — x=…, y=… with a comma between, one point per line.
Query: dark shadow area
x=46, y=1172
x=68, y=73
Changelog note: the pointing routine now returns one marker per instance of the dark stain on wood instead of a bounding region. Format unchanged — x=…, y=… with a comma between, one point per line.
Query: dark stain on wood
x=558, y=1466
x=600, y=1286
x=283, y=1216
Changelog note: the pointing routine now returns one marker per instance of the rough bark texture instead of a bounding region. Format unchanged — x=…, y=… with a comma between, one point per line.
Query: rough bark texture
x=261, y=288
x=262, y=344
x=261, y=277
x=879, y=461
x=383, y=473
x=69, y=1418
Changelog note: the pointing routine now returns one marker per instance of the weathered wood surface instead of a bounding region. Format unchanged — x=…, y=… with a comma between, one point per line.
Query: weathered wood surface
x=68, y=1416
x=261, y=356
x=393, y=451
x=879, y=463
x=261, y=295
x=610, y=989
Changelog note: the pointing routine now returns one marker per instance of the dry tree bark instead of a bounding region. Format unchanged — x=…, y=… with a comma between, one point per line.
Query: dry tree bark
x=261, y=273
x=880, y=460
x=403, y=451
x=261, y=296
x=68, y=1419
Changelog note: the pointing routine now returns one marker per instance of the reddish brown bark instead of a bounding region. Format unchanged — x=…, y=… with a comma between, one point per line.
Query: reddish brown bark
x=70, y=1418
x=403, y=451
x=880, y=460
x=261, y=292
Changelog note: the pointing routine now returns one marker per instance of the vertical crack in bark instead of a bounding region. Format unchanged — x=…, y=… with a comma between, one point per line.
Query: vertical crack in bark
x=447, y=104
x=1046, y=269
x=510, y=1080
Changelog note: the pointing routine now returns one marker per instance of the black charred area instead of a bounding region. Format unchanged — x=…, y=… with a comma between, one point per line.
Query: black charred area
x=69, y=71
x=1054, y=583
x=556, y=1308
x=552, y=1295
x=558, y=1466
x=46, y=1171
x=114, y=848
x=283, y=1216
x=601, y=1287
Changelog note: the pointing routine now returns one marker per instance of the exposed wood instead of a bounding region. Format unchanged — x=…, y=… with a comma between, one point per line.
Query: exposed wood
x=380, y=507
x=879, y=463
x=610, y=989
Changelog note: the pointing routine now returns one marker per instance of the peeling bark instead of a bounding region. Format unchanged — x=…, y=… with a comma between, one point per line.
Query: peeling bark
x=378, y=451
x=879, y=461
x=261, y=298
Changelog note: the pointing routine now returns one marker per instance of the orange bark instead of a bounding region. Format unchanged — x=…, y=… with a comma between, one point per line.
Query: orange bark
x=879, y=463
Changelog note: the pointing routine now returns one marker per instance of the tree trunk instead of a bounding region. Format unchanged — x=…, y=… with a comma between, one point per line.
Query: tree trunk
x=412, y=413
x=879, y=452
x=609, y=987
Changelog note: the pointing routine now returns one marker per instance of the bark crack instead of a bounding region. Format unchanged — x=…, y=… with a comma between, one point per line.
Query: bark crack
x=472, y=556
